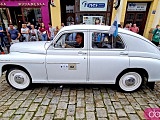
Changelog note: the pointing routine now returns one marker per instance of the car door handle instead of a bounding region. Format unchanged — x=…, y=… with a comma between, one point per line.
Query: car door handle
x=123, y=53
x=81, y=53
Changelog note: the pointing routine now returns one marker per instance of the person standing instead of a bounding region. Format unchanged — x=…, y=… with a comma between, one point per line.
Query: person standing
x=155, y=37
x=25, y=32
x=56, y=30
x=43, y=32
x=13, y=34
x=62, y=25
x=127, y=27
x=134, y=28
x=2, y=40
x=51, y=31
x=29, y=25
x=2, y=37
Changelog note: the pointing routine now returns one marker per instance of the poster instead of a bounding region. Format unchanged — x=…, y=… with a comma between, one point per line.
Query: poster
x=92, y=20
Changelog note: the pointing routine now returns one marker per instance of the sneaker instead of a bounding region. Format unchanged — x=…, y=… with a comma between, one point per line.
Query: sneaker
x=2, y=53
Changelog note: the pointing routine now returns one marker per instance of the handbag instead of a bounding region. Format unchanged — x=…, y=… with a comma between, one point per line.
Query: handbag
x=22, y=38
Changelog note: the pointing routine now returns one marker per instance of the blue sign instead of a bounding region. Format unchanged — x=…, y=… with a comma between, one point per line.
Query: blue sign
x=93, y=5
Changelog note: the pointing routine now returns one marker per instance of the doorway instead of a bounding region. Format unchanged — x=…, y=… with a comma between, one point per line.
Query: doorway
x=67, y=11
x=138, y=17
x=15, y=14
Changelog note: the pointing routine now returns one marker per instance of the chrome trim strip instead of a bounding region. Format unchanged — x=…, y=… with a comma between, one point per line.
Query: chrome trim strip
x=63, y=63
x=22, y=62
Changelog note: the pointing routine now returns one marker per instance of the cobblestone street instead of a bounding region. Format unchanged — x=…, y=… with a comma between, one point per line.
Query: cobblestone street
x=75, y=102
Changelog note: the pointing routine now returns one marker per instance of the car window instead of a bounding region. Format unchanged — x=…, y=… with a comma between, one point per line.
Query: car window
x=106, y=41
x=70, y=40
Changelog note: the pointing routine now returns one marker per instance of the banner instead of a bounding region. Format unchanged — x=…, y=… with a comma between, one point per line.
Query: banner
x=114, y=28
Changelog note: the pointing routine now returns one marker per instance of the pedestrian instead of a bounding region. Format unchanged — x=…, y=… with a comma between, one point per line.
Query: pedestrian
x=134, y=28
x=33, y=34
x=119, y=26
x=25, y=32
x=62, y=25
x=127, y=27
x=155, y=37
x=13, y=34
x=43, y=32
x=29, y=25
x=51, y=31
x=2, y=37
x=56, y=30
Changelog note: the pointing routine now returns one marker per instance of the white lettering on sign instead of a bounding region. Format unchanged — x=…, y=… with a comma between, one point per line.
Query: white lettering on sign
x=92, y=5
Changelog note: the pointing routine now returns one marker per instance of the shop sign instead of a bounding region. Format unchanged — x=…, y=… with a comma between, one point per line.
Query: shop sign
x=137, y=7
x=31, y=4
x=91, y=5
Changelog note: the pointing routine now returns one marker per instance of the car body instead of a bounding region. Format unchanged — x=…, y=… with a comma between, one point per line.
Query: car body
x=125, y=60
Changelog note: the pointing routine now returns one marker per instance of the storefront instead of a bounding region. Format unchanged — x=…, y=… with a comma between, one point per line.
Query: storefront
x=89, y=11
x=137, y=12
x=24, y=11
x=81, y=11
x=145, y=13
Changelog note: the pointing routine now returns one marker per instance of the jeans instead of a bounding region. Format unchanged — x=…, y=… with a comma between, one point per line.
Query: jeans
x=26, y=37
x=2, y=41
x=44, y=37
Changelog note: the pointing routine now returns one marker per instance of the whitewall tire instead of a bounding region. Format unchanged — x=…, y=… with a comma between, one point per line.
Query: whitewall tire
x=130, y=81
x=18, y=79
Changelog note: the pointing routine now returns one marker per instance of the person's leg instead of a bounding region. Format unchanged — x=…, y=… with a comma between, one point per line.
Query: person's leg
x=46, y=37
x=2, y=41
x=42, y=37
x=2, y=51
x=27, y=37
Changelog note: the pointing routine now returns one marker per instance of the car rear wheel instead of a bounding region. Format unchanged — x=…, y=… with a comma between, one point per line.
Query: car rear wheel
x=18, y=79
x=130, y=81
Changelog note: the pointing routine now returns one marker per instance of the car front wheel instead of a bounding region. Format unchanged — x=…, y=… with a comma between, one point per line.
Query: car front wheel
x=130, y=81
x=18, y=79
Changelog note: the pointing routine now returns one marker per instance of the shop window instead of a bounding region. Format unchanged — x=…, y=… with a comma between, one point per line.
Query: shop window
x=130, y=16
x=32, y=15
x=140, y=16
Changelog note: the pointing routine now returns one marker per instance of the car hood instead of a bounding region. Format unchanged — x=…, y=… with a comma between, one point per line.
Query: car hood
x=30, y=47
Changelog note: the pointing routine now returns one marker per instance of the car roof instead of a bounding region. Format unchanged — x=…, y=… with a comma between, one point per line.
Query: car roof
x=99, y=27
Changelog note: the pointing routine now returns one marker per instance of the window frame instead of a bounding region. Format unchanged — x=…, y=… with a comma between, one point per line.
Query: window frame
x=99, y=31
x=67, y=32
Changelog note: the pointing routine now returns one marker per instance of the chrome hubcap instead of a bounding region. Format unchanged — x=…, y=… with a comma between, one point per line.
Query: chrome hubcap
x=130, y=81
x=19, y=79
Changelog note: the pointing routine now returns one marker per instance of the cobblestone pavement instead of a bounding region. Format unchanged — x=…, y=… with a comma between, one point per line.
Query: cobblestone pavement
x=75, y=102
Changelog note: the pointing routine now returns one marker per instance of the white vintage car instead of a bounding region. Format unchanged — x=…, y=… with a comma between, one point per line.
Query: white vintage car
x=126, y=60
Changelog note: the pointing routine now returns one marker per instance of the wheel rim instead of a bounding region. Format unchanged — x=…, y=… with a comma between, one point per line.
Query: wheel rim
x=18, y=79
x=130, y=81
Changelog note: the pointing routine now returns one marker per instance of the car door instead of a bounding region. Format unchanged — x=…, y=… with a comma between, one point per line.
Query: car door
x=108, y=57
x=67, y=64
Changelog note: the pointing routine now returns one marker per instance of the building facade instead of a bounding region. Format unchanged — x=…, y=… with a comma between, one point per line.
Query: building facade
x=145, y=13
x=23, y=11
